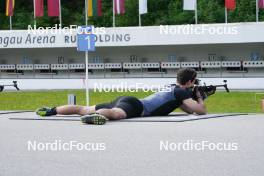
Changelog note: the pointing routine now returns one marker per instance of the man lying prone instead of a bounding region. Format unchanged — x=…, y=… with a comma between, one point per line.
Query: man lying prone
x=158, y=104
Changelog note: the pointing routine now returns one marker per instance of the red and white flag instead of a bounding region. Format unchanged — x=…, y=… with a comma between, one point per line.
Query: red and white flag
x=38, y=8
x=230, y=4
x=119, y=6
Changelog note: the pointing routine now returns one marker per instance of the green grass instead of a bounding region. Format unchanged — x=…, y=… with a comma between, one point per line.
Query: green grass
x=221, y=102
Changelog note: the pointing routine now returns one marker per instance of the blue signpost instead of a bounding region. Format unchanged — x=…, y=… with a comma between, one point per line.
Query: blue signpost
x=86, y=43
x=85, y=39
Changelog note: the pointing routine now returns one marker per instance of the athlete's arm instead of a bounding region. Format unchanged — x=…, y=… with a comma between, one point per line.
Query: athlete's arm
x=197, y=107
x=185, y=109
x=190, y=106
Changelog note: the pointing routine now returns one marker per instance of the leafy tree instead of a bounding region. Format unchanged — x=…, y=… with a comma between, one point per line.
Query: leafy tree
x=245, y=11
x=160, y=12
x=210, y=11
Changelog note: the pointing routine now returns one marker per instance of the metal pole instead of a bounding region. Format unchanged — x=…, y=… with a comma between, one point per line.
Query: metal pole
x=139, y=14
x=87, y=77
x=86, y=12
x=86, y=59
x=113, y=13
x=257, y=11
x=196, y=14
x=225, y=15
x=35, y=22
x=139, y=19
x=60, y=14
x=10, y=22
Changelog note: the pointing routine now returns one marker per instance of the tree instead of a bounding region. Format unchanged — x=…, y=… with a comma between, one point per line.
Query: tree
x=245, y=12
x=160, y=12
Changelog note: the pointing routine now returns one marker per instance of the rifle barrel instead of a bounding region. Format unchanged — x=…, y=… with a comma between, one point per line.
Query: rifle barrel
x=223, y=85
x=10, y=85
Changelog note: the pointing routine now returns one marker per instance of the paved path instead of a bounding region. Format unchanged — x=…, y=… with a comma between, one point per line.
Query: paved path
x=132, y=148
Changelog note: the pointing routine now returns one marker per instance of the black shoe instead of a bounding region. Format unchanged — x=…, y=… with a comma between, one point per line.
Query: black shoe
x=95, y=119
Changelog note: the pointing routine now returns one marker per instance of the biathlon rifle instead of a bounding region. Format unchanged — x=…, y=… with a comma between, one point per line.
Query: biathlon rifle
x=205, y=90
x=9, y=85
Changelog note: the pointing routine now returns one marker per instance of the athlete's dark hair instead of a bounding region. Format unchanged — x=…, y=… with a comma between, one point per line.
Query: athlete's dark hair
x=185, y=75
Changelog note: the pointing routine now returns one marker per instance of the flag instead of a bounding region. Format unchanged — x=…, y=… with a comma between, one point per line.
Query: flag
x=94, y=7
x=38, y=8
x=230, y=4
x=143, y=6
x=119, y=6
x=189, y=5
x=10, y=4
x=261, y=4
x=54, y=8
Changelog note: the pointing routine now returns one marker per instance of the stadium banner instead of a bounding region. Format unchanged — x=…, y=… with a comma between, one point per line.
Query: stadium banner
x=119, y=6
x=138, y=36
x=54, y=8
x=10, y=5
x=189, y=5
x=94, y=8
x=38, y=8
x=143, y=6
x=230, y=4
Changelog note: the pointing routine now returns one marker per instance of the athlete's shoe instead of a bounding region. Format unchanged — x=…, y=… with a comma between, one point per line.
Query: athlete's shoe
x=95, y=119
x=46, y=111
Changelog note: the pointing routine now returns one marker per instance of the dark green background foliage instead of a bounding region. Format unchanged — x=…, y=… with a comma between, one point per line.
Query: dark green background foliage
x=161, y=12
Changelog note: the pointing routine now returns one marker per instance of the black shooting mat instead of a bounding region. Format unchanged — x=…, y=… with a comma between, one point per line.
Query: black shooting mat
x=174, y=117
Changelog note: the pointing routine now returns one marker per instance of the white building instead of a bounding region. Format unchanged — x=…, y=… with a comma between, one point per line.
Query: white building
x=217, y=51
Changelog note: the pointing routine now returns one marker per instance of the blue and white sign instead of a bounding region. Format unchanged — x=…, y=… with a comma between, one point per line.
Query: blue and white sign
x=85, y=39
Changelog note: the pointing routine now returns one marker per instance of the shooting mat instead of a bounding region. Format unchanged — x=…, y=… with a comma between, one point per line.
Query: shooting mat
x=170, y=118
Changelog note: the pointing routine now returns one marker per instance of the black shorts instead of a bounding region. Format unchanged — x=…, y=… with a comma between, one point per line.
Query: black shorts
x=131, y=105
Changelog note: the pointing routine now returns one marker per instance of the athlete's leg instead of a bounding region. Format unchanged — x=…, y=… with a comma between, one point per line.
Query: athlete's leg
x=66, y=110
x=124, y=107
x=112, y=114
x=75, y=109
x=101, y=115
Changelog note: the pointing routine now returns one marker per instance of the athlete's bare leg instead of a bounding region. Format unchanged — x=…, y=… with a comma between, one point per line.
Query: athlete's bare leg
x=112, y=114
x=75, y=109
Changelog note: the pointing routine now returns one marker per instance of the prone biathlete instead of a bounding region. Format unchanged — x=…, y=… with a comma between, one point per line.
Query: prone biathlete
x=157, y=104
